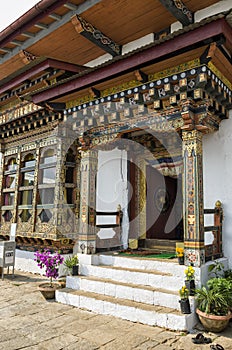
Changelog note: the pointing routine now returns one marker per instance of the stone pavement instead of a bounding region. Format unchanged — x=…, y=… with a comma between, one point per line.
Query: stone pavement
x=28, y=321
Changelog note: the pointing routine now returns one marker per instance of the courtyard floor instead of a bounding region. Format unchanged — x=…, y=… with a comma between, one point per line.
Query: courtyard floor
x=28, y=321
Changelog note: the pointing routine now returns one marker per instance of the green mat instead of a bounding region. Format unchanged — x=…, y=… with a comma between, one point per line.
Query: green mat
x=156, y=256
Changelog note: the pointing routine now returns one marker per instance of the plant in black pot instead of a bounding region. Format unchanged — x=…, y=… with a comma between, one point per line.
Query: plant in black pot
x=72, y=265
x=214, y=302
x=190, y=279
x=180, y=255
x=184, y=300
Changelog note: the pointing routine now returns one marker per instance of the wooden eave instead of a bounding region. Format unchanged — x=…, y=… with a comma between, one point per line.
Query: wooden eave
x=141, y=18
x=184, y=42
x=9, y=83
x=130, y=77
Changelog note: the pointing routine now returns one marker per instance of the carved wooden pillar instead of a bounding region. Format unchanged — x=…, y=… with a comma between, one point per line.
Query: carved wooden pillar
x=15, y=208
x=35, y=191
x=58, y=216
x=142, y=198
x=87, y=229
x=1, y=176
x=193, y=198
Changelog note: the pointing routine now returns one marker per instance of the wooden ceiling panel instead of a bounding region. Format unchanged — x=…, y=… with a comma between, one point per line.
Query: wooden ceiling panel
x=76, y=49
x=11, y=66
x=139, y=18
x=194, y=5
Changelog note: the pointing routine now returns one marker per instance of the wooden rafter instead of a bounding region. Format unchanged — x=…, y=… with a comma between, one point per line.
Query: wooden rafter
x=179, y=10
x=32, y=37
x=95, y=36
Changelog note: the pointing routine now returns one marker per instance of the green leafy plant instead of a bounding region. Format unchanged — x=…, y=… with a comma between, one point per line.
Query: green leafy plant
x=216, y=297
x=71, y=261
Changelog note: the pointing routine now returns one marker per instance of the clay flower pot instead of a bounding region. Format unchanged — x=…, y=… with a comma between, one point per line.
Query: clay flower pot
x=213, y=323
x=47, y=291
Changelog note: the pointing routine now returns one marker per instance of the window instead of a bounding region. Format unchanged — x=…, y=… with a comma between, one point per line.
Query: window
x=28, y=178
x=46, y=196
x=12, y=165
x=69, y=176
x=47, y=174
x=28, y=170
x=68, y=194
x=9, y=185
x=26, y=197
x=8, y=198
x=10, y=181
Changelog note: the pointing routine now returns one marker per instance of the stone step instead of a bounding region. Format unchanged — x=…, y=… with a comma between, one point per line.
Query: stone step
x=164, y=266
x=126, y=309
x=153, y=278
x=122, y=290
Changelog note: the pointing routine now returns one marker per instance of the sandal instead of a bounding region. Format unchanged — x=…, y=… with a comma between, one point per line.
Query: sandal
x=216, y=347
x=200, y=339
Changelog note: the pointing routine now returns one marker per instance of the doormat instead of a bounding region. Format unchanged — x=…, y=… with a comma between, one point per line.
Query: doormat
x=146, y=254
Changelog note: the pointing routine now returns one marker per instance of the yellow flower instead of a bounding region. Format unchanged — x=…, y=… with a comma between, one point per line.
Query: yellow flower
x=179, y=252
x=189, y=273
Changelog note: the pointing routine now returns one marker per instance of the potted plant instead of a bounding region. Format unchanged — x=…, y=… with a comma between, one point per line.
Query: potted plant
x=190, y=279
x=72, y=265
x=180, y=255
x=184, y=300
x=214, y=302
x=51, y=262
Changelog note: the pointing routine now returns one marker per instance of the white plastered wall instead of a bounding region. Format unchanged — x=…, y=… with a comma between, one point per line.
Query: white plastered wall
x=112, y=186
x=217, y=170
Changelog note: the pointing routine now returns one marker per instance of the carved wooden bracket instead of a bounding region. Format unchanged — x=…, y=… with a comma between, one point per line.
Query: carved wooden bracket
x=179, y=10
x=96, y=36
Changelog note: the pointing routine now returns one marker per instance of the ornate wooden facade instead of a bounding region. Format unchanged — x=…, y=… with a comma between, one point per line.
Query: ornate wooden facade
x=56, y=115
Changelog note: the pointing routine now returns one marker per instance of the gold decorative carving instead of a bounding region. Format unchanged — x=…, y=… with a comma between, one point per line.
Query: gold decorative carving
x=18, y=111
x=192, y=142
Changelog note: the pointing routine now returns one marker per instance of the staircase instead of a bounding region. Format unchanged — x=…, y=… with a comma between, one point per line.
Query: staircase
x=135, y=289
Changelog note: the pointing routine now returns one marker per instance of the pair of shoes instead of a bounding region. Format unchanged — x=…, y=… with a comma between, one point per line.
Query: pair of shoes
x=200, y=339
x=216, y=347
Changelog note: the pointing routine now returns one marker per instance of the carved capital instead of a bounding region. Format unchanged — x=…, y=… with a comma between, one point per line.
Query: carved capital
x=192, y=143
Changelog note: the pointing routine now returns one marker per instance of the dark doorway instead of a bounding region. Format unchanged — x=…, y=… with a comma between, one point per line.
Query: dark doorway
x=162, y=220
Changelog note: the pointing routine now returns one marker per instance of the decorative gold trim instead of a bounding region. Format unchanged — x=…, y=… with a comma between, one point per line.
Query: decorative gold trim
x=134, y=83
x=220, y=75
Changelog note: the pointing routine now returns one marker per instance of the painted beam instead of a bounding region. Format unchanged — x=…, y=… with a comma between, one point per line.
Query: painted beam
x=139, y=59
x=52, y=27
x=179, y=10
x=40, y=67
x=93, y=34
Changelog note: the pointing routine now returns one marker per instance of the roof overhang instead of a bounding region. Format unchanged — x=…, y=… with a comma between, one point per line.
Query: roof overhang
x=195, y=38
